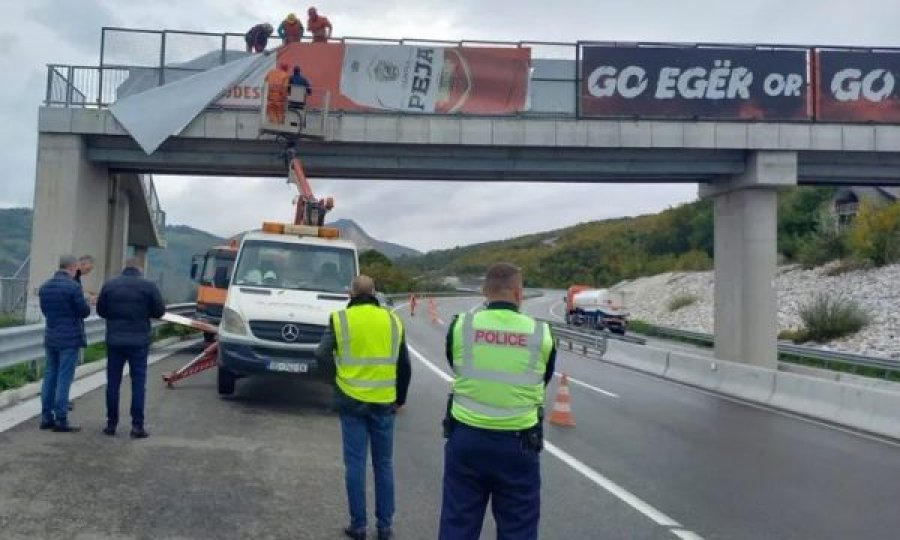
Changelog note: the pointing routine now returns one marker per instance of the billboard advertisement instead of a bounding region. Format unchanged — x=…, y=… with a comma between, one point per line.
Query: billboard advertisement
x=857, y=86
x=687, y=83
x=401, y=78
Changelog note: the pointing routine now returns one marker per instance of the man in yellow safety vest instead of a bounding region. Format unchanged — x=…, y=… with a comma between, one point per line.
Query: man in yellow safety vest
x=372, y=374
x=502, y=360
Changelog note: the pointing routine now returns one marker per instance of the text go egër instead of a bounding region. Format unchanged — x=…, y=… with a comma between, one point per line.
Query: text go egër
x=723, y=81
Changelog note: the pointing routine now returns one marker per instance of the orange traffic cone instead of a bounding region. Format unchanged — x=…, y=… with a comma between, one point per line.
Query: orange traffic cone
x=432, y=310
x=562, y=406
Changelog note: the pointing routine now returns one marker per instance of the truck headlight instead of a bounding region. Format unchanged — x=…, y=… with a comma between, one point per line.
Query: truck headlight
x=232, y=322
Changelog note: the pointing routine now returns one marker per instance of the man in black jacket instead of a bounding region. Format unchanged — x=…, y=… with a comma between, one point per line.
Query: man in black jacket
x=128, y=302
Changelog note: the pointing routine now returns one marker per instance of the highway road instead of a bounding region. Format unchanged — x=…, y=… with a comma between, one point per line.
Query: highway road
x=649, y=459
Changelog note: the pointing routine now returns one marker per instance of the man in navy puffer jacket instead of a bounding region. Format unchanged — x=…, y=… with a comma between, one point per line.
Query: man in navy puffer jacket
x=64, y=308
x=128, y=302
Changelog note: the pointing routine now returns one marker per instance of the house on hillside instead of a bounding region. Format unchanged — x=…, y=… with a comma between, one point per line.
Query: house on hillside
x=846, y=200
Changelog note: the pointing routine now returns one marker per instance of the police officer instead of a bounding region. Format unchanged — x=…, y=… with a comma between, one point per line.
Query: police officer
x=502, y=360
x=368, y=346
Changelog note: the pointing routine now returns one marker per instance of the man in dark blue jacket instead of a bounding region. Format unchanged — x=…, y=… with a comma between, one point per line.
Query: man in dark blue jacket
x=64, y=308
x=128, y=302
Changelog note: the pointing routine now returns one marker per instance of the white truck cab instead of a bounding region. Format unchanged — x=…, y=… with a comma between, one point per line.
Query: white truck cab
x=286, y=282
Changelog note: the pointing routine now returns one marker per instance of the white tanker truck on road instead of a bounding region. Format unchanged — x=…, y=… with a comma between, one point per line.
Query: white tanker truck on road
x=602, y=309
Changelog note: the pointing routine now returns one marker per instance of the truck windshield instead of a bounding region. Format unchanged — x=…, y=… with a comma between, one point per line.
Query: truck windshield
x=304, y=267
x=217, y=261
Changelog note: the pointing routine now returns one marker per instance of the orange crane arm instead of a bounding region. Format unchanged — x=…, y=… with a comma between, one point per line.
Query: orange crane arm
x=310, y=211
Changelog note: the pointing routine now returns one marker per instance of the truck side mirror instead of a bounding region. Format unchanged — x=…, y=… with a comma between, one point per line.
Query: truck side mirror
x=195, y=266
x=220, y=279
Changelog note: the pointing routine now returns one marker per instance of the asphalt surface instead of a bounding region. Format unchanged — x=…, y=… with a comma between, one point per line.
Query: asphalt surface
x=649, y=459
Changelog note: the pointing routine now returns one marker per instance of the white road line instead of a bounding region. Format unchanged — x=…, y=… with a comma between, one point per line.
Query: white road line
x=553, y=312
x=617, y=491
x=589, y=386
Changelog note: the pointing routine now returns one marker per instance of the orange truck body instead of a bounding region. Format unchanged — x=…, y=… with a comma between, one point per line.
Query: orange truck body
x=210, y=294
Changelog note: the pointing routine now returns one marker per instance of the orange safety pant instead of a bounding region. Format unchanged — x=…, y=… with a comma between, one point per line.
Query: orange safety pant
x=276, y=103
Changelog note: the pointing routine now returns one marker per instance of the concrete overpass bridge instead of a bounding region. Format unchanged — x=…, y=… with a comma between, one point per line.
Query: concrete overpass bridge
x=740, y=163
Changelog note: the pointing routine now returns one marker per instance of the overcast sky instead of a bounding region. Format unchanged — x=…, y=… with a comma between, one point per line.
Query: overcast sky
x=421, y=215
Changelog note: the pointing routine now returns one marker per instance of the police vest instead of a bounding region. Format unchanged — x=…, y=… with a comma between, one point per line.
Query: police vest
x=499, y=357
x=368, y=344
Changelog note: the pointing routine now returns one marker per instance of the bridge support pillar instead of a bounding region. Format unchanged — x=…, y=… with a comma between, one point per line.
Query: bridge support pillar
x=746, y=212
x=77, y=210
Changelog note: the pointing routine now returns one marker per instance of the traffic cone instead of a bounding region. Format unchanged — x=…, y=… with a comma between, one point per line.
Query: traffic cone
x=562, y=406
x=432, y=310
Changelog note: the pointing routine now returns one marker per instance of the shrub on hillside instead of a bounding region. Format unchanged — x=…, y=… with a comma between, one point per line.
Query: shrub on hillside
x=829, y=316
x=827, y=244
x=876, y=234
x=680, y=300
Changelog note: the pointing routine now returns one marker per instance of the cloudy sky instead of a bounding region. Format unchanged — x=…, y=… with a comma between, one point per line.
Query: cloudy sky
x=421, y=215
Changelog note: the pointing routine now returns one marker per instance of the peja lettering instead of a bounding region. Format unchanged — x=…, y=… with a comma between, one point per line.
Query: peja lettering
x=721, y=82
x=422, y=76
x=244, y=92
x=494, y=337
x=848, y=84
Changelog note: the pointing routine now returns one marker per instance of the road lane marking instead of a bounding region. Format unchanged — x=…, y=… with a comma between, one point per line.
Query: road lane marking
x=589, y=386
x=580, y=467
x=554, y=313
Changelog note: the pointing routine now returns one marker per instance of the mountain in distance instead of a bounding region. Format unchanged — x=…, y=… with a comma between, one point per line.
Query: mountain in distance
x=350, y=230
x=170, y=268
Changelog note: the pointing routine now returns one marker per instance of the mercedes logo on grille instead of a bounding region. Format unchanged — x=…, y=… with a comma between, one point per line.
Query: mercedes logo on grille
x=290, y=332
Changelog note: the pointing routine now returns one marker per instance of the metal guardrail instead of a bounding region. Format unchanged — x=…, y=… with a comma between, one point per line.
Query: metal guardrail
x=24, y=344
x=790, y=350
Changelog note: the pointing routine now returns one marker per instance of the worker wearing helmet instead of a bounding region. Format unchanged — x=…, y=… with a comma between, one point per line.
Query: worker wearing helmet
x=290, y=29
x=278, y=81
x=502, y=360
x=258, y=37
x=319, y=26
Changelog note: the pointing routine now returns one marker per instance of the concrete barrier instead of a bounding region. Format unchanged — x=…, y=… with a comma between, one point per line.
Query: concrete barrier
x=695, y=370
x=870, y=410
x=639, y=357
x=752, y=383
x=810, y=396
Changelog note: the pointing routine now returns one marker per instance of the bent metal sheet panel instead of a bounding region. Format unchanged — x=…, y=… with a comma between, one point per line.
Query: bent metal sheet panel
x=858, y=85
x=404, y=78
x=689, y=82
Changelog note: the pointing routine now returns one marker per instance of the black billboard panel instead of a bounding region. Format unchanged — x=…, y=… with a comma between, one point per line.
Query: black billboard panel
x=694, y=83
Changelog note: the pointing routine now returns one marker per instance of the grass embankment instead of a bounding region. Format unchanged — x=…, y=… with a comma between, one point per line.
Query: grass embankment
x=22, y=374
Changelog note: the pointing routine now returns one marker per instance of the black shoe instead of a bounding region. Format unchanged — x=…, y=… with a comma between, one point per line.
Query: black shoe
x=48, y=424
x=355, y=534
x=385, y=534
x=110, y=430
x=139, y=433
x=66, y=428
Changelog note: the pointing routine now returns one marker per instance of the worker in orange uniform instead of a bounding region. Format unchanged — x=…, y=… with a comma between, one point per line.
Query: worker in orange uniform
x=278, y=80
x=291, y=29
x=319, y=26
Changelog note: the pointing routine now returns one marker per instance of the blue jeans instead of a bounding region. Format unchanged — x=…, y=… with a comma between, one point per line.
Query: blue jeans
x=58, y=374
x=375, y=423
x=116, y=358
x=481, y=465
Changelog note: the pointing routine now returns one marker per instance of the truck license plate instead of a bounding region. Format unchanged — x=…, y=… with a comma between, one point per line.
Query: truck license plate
x=288, y=367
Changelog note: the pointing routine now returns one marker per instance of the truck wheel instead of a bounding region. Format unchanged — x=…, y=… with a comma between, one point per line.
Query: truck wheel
x=225, y=380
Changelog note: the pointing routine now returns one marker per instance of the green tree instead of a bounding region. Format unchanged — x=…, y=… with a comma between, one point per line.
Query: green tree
x=876, y=233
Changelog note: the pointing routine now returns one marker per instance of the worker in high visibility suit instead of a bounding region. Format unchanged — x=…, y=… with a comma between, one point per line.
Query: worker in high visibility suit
x=278, y=81
x=372, y=372
x=503, y=361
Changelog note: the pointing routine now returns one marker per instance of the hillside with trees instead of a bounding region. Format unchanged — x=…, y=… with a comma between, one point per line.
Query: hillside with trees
x=606, y=252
